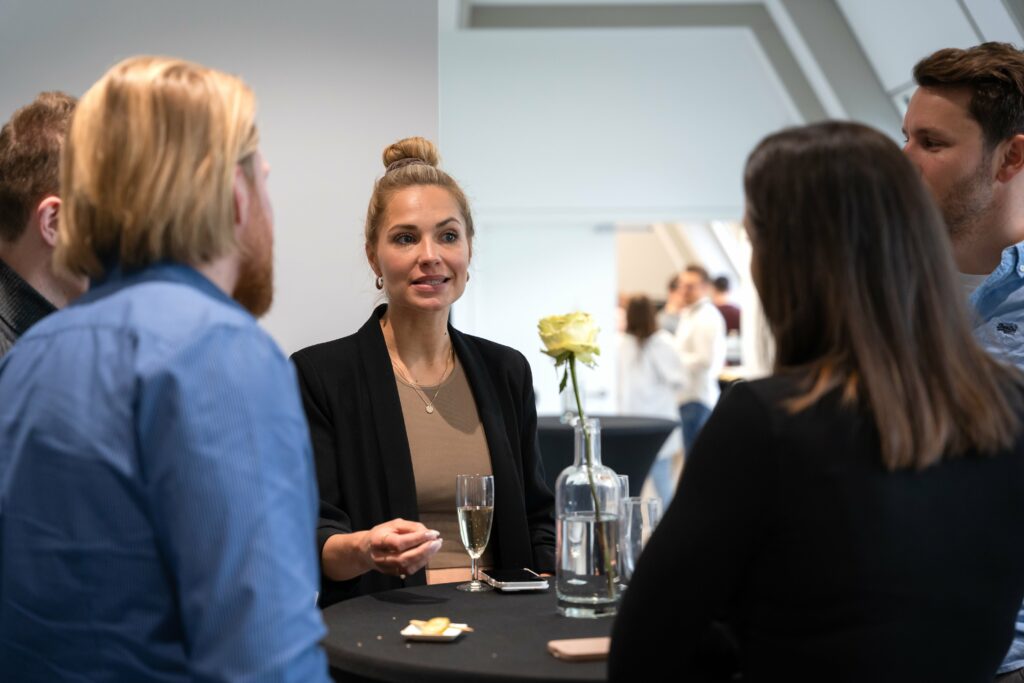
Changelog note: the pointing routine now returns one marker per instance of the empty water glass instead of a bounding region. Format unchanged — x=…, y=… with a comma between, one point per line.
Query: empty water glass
x=639, y=518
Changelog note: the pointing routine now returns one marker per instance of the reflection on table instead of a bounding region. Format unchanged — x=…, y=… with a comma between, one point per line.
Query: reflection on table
x=509, y=642
x=629, y=445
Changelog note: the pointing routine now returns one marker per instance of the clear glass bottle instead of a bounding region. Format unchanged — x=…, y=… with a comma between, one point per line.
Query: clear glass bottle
x=587, y=508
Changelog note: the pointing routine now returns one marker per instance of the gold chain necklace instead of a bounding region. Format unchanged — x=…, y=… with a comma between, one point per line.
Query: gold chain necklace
x=404, y=373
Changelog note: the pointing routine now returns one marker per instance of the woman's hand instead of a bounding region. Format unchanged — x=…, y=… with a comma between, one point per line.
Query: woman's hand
x=400, y=547
x=397, y=548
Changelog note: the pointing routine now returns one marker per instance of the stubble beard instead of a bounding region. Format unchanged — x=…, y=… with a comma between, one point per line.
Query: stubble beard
x=967, y=206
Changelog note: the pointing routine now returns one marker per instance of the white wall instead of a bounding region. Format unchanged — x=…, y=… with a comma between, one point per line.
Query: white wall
x=895, y=34
x=336, y=82
x=555, y=133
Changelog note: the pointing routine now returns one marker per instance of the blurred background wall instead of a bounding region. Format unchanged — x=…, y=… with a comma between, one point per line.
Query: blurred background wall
x=335, y=82
x=601, y=143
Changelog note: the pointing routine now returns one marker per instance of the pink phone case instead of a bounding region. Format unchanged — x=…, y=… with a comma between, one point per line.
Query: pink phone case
x=580, y=649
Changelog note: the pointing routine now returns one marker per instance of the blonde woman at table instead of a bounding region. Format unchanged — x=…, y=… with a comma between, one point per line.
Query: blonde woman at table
x=650, y=375
x=858, y=515
x=402, y=406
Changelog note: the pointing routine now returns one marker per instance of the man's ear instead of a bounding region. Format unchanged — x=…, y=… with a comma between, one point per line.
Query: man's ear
x=45, y=219
x=241, y=194
x=1012, y=161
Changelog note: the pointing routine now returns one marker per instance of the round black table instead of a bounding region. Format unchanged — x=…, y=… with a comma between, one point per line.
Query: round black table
x=509, y=642
x=629, y=445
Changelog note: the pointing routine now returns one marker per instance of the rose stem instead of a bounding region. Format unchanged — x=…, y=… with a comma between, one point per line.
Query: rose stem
x=590, y=476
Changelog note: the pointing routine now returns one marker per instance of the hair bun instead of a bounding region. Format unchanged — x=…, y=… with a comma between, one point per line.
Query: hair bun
x=413, y=149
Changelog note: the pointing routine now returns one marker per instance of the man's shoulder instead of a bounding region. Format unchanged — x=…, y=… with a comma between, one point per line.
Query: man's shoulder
x=154, y=321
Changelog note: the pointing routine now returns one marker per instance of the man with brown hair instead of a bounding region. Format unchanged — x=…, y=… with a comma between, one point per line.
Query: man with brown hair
x=965, y=133
x=30, y=286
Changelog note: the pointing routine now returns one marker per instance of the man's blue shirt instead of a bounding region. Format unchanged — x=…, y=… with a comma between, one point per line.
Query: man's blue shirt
x=998, y=305
x=157, y=499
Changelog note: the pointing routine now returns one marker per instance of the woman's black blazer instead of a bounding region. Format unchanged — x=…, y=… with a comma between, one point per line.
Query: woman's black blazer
x=363, y=464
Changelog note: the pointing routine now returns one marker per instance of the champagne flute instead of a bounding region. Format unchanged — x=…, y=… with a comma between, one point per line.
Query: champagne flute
x=474, y=500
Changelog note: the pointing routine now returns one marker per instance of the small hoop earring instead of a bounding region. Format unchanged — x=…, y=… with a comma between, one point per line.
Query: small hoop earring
x=379, y=283
x=467, y=277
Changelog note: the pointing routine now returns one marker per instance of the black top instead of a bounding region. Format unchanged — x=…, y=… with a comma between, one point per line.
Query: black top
x=827, y=566
x=363, y=464
x=508, y=644
x=21, y=307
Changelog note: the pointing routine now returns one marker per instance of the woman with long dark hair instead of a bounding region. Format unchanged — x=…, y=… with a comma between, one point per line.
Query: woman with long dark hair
x=858, y=515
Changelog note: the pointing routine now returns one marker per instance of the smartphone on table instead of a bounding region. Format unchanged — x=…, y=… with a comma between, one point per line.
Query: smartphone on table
x=515, y=579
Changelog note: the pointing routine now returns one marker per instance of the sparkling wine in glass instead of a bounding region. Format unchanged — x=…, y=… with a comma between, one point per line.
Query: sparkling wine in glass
x=474, y=501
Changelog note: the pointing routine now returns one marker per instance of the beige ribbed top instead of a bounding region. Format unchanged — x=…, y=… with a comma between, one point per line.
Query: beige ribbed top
x=449, y=442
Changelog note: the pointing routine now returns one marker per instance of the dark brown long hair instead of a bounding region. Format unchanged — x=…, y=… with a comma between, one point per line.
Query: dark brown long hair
x=640, y=320
x=855, y=273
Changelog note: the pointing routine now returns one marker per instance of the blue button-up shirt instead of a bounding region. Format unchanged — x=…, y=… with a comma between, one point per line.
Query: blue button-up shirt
x=998, y=304
x=999, y=308
x=157, y=499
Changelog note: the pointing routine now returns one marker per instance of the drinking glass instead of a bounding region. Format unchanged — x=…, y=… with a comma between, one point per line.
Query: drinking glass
x=474, y=501
x=639, y=518
x=623, y=486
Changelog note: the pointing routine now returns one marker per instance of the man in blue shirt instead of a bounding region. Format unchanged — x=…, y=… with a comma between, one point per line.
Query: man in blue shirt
x=965, y=133
x=157, y=499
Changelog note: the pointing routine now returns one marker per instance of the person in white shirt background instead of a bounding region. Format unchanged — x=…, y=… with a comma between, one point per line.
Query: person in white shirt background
x=650, y=375
x=700, y=342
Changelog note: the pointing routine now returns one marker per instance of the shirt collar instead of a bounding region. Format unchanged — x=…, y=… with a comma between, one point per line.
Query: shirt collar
x=21, y=306
x=1006, y=277
x=115, y=279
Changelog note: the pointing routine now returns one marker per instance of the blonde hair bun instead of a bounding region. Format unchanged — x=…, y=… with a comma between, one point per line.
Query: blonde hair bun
x=413, y=149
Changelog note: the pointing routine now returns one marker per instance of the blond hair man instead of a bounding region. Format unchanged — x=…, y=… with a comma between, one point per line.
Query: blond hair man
x=157, y=504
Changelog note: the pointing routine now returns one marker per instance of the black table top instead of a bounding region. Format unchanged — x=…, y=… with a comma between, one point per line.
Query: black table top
x=509, y=643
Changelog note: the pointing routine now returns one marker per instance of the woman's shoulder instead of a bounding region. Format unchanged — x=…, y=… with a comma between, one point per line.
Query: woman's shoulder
x=767, y=394
x=329, y=351
x=492, y=352
x=337, y=353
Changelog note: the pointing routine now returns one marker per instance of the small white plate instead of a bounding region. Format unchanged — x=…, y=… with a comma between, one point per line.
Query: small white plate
x=451, y=633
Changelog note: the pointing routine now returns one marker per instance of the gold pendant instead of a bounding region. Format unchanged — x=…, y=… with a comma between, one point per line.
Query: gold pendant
x=430, y=408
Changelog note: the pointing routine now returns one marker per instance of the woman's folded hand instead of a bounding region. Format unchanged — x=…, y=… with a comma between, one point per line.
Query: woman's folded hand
x=400, y=547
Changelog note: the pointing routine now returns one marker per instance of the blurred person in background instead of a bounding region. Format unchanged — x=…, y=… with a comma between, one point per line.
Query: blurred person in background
x=731, y=314
x=855, y=515
x=722, y=300
x=649, y=376
x=700, y=343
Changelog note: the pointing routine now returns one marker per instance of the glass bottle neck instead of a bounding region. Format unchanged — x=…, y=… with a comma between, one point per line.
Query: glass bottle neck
x=588, y=441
